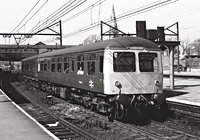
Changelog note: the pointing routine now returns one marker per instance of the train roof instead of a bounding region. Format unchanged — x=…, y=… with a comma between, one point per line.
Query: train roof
x=117, y=43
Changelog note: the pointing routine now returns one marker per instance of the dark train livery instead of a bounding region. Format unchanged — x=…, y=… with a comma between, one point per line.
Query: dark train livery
x=117, y=76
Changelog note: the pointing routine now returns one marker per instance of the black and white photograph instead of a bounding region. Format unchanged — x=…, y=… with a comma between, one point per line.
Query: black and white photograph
x=100, y=70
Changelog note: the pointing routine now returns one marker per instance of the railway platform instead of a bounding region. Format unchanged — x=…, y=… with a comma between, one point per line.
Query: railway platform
x=18, y=125
x=186, y=87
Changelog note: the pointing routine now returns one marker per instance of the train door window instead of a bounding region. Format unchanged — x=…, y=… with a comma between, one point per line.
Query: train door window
x=27, y=67
x=33, y=67
x=91, y=67
x=66, y=65
x=48, y=64
x=101, y=64
x=91, y=63
x=38, y=63
x=30, y=67
x=59, y=64
x=72, y=60
x=23, y=66
x=148, y=62
x=45, y=65
x=124, y=62
x=41, y=65
x=53, y=65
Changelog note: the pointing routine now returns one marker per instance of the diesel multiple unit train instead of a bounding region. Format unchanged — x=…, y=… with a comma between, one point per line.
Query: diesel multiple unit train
x=116, y=76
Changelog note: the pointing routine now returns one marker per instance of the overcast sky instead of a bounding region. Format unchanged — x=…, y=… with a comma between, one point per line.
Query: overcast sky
x=185, y=12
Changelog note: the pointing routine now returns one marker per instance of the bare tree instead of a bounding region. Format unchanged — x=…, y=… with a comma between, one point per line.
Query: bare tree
x=185, y=47
x=196, y=47
x=91, y=39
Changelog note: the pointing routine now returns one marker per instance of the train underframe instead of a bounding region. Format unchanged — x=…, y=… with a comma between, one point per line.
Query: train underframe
x=119, y=106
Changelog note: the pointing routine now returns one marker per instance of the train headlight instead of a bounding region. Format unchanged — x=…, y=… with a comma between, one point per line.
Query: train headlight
x=157, y=83
x=118, y=84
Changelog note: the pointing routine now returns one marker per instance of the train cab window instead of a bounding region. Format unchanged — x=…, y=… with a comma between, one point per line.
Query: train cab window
x=124, y=62
x=91, y=68
x=148, y=62
x=80, y=68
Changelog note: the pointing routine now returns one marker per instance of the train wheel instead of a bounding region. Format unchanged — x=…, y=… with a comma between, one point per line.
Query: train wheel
x=120, y=111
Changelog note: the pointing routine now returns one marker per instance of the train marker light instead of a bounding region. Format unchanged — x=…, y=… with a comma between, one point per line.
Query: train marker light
x=157, y=83
x=118, y=84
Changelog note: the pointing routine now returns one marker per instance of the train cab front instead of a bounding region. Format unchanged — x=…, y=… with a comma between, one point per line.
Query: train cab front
x=135, y=77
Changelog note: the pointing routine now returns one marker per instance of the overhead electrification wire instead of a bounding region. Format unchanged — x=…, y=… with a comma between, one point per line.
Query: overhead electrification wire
x=143, y=9
x=151, y=7
x=55, y=16
x=26, y=16
x=34, y=14
x=59, y=15
x=44, y=22
x=83, y=11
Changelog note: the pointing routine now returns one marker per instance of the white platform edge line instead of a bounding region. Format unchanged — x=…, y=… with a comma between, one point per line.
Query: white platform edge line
x=183, y=101
x=47, y=131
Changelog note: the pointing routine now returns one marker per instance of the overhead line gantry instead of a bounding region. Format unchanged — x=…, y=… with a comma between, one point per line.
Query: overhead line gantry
x=19, y=36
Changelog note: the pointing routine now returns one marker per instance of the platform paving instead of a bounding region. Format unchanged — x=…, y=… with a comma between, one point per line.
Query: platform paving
x=185, y=90
x=15, y=124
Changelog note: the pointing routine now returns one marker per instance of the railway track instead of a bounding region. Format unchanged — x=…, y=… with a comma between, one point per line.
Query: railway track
x=91, y=122
x=58, y=114
x=55, y=124
x=185, y=109
x=186, y=114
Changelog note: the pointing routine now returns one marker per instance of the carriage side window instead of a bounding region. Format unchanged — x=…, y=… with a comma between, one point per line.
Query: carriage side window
x=59, y=67
x=148, y=62
x=124, y=62
x=91, y=68
x=80, y=66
